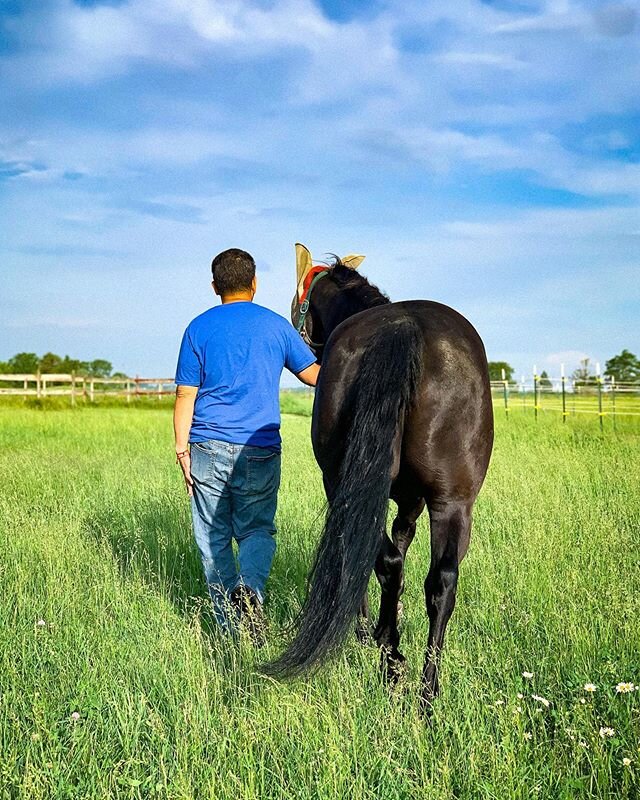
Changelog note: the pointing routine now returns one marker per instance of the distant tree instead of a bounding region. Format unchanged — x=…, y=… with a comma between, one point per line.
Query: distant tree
x=119, y=376
x=50, y=362
x=99, y=368
x=495, y=370
x=23, y=364
x=544, y=379
x=584, y=374
x=69, y=365
x=624, y=367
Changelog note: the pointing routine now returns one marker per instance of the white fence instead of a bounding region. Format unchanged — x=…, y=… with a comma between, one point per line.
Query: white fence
x=80, y=386
x=600, y=395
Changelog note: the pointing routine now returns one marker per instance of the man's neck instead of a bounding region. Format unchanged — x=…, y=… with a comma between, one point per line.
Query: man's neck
x=242, y=297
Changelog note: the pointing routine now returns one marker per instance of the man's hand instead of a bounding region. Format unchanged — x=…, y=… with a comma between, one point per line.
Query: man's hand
x=309, y=375
x=184, y=459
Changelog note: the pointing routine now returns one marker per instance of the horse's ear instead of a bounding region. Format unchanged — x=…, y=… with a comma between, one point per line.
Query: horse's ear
x=303, y=266
x=352, y=262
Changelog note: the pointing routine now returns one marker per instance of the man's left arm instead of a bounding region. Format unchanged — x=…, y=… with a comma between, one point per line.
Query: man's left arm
x=309, y=376
x=182, y=418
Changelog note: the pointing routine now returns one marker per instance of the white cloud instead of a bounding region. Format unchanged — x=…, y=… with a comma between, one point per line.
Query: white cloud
x=497, y=60
x=566, y=357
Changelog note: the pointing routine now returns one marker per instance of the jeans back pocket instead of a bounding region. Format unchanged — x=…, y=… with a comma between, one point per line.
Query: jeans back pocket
x=263, y=472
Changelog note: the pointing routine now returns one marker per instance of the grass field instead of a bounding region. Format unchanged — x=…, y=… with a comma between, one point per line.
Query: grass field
x=113, y=683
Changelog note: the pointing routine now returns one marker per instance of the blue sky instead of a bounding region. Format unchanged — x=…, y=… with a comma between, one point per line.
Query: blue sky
x=482, y=154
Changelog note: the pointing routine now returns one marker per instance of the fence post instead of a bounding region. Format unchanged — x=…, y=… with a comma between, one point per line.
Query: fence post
x=38, y=385
x=73, y=387
x=535, y=392
x=613, y=400
x=505, y=388
x=159, y=391
x=25, y=387
x=92, y=390
x=128, y=390
x=599, y=383
x=564, y=394
x=44, y=387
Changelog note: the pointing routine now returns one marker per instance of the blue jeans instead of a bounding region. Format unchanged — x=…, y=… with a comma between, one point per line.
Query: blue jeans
x=235, y=493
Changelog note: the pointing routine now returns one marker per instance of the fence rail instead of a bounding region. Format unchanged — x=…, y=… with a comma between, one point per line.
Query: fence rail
x=81, y=386
x=603, y=396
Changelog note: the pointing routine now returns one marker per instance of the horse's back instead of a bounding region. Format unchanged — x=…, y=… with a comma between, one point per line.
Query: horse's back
x=446, y=435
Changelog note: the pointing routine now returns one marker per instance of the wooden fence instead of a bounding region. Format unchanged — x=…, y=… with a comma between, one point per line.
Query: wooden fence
x=604, y=398
x=80, y=386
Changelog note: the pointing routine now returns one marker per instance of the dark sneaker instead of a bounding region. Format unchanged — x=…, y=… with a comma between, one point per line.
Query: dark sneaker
x=251, y=618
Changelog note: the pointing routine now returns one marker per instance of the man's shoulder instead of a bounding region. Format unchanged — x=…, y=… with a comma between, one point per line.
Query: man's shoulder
x=203, y=318
x=270, y=316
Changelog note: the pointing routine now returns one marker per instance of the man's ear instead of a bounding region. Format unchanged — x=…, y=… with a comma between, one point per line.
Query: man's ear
x=304, y=265
x=254, y=284
x=215, y=288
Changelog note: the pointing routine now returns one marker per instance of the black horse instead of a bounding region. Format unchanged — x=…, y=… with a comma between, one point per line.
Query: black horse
x=402, y=410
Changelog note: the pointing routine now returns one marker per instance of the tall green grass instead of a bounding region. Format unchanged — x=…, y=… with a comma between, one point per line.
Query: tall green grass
x=114, y=683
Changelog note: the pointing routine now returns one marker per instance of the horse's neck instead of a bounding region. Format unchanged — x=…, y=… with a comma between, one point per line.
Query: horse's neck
x=344, y=304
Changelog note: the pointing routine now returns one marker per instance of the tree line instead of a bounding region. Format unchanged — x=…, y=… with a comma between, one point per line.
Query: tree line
x=50, y=363
x=624, y=368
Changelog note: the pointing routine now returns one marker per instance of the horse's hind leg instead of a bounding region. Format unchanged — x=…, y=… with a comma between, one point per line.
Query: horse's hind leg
x=450, y=532
x=388, y=569
x=390, y=572
x=404, y=527
x=363, y=627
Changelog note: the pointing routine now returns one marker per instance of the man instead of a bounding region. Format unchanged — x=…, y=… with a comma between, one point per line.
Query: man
x=227, y=409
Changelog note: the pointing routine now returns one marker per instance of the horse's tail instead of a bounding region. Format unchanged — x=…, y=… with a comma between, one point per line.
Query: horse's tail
x=356, y=518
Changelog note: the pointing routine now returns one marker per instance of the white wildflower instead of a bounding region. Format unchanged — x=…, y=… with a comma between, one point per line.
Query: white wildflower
x=625, y=688
x=607, y=732
x=527, y=675
x=590, y=687
x=542, y=700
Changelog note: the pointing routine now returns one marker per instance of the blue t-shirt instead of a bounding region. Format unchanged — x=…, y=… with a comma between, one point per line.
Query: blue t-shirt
x=234, y=353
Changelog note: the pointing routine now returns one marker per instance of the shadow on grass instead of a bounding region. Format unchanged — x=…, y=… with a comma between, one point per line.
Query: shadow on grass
x=154, y=543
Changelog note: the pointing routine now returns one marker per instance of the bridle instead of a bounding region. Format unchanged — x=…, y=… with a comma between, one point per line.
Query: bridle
x=304, y=307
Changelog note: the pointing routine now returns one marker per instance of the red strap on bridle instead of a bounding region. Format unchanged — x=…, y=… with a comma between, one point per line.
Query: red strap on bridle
x=308, y=280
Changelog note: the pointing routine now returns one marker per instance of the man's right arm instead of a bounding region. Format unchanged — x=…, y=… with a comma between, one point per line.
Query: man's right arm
x=309, y=375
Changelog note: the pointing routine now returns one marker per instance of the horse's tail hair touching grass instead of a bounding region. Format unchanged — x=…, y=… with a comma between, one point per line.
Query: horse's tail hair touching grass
x=356, y=518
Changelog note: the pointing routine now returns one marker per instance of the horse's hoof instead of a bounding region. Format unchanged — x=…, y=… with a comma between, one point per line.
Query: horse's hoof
x=430, y=690
x=393, y=666
x=425, y=709
x=363, y=633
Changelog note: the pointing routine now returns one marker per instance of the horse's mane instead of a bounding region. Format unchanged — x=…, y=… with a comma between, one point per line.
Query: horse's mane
x=355, y=288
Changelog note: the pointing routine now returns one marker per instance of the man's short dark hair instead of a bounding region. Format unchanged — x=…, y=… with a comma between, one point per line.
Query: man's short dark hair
x=233, y=271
